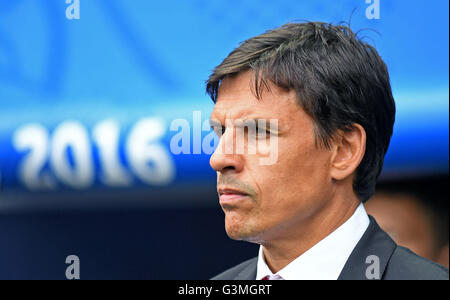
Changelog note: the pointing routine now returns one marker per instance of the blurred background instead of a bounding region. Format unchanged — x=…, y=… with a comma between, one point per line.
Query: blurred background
x=89, y=91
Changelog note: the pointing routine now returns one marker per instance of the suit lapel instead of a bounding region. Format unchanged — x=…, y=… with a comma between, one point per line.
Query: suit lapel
x=249, y=272
x=371, y=254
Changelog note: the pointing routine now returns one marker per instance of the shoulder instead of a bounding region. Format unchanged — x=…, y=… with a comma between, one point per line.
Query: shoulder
x=405, y=264
x=245, y=270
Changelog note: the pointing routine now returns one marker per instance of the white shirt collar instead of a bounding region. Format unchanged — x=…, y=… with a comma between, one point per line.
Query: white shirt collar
x=326, y=259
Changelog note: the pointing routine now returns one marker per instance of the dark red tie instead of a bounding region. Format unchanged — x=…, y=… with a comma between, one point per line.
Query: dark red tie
x=273, y=277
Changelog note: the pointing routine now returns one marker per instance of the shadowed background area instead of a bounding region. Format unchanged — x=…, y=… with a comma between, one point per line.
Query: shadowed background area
x=87, y=111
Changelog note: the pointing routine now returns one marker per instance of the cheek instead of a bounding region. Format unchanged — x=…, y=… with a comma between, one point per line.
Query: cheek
x=302, y=164
x=299, y=177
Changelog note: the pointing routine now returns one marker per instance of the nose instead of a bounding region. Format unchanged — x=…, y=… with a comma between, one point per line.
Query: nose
x=224, y=157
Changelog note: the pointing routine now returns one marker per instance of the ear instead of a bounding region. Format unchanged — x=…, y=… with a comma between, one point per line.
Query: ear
x=349, y=149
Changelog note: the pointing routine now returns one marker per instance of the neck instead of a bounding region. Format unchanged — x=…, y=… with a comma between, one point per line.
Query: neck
x=279, y=252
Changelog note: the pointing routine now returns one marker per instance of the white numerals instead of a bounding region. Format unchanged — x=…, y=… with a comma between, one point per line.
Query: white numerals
x=69, y=154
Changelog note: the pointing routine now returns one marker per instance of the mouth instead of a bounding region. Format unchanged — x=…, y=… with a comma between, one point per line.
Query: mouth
x=229, y=196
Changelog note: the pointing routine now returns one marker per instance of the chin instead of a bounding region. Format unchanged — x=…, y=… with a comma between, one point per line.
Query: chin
x=240, y=231
x=234, y=231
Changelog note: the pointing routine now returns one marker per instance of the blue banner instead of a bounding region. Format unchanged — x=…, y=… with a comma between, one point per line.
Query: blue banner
x=90, y=91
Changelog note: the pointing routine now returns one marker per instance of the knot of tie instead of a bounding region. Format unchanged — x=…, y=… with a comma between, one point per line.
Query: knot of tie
x=272, y=277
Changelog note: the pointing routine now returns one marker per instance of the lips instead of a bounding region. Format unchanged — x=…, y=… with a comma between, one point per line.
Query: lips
x=231, y=196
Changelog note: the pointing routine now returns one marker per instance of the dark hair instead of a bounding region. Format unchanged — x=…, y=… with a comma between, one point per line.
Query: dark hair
x=339, y=80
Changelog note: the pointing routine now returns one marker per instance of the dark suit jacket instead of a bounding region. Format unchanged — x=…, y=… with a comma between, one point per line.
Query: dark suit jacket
x=395, y=262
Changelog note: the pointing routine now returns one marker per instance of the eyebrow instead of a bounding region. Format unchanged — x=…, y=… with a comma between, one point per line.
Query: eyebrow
x=214, y=123
x=245, y=122
x=249, y=122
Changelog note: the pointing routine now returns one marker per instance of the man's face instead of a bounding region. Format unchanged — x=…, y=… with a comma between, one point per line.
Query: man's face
x=268, y=202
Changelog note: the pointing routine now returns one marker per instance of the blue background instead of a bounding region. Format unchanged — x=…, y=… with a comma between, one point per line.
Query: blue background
x=128, y=60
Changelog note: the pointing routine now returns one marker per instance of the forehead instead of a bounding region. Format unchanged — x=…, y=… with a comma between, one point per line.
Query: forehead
x=236, y=99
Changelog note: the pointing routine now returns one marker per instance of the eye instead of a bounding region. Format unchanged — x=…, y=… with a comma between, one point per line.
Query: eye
x=262, y=132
